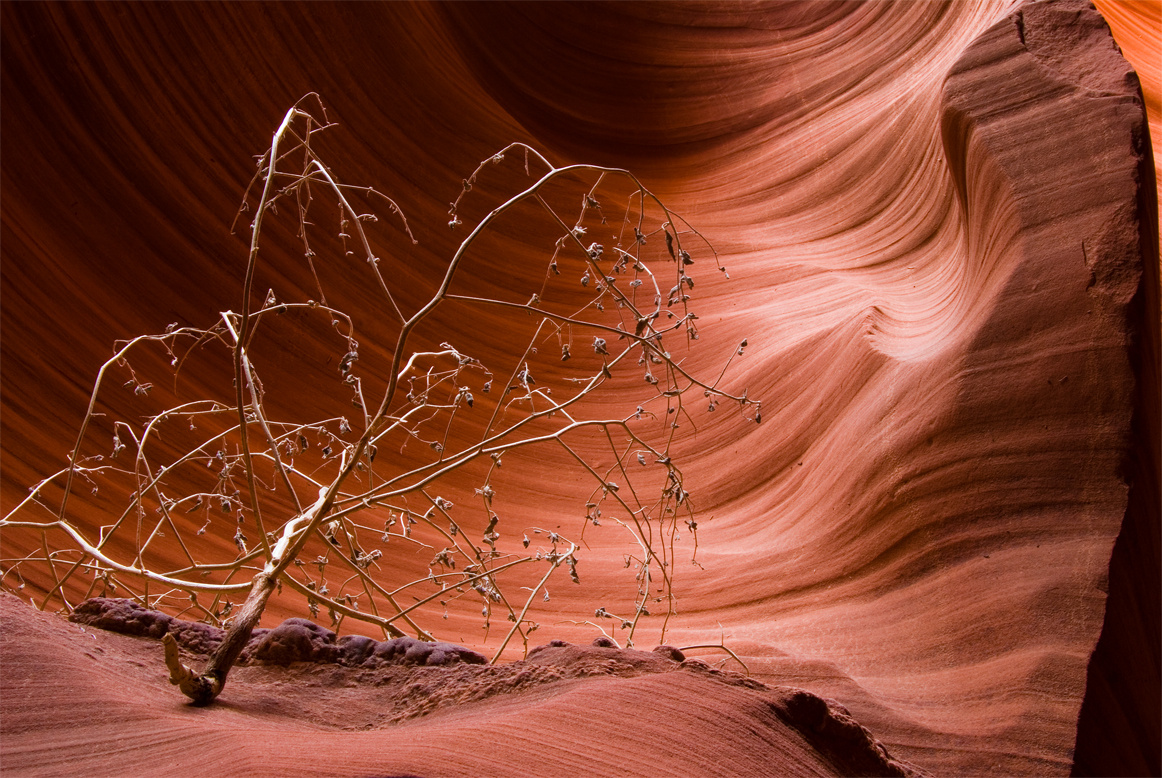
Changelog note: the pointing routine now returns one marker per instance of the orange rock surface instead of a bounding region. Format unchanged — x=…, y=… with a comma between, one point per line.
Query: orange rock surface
x=941, y=226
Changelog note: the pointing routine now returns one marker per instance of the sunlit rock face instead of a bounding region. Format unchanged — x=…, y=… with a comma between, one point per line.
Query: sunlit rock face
x=940, y=227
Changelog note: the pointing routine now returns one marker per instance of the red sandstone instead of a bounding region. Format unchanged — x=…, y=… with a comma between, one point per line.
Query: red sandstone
x=942, y=231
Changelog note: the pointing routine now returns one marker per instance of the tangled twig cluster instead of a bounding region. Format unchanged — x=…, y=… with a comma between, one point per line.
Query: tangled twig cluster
x=255, y=501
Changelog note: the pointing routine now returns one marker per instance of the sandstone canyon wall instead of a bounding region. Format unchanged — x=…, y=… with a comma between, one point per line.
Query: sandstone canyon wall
x=940, y=222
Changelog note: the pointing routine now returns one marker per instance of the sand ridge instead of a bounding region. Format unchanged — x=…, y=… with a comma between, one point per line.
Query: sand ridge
x=683, y=717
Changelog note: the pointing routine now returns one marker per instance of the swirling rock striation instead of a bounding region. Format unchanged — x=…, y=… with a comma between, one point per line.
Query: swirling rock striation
x=940, y=223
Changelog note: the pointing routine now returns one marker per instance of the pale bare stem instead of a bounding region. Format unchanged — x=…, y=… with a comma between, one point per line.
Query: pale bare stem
x=642, y=534
x=204, y=687
x=241, y=563
x=312, y=127
x=427, y=474
x=153, y=483
x=52, y=568
x=639, y=534
x=473, y=578
x=345, y=610
x=453, y=535
x=84, y=545
x=303, y=202
x=140, y=461
x=92, y=585
x=555, y=561
x=260, y=418
x=721, y=646
x=645, y=342
x=240, y=335
x=495, y=159
x=600, y=628
x=366, y=582
x=90, y=412
x=372, y=260
x=512, y=378
x=619, y=463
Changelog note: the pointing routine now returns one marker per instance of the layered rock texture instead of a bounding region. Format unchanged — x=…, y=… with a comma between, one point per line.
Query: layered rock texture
x=941, y=226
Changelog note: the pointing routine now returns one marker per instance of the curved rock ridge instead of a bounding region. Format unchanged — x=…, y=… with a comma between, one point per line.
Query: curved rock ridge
x=940, y=225
x=1126, y=668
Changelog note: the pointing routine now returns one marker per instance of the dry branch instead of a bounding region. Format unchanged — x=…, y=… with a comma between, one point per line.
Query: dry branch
x=289, y=485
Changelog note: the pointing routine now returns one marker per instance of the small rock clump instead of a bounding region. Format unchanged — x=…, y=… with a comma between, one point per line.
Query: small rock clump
x=301, y=640
x=295, y=640
x=124, y=616
x=832, y=730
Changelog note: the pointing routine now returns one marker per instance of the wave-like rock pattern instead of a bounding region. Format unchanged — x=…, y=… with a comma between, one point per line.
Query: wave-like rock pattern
x=935, y=218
